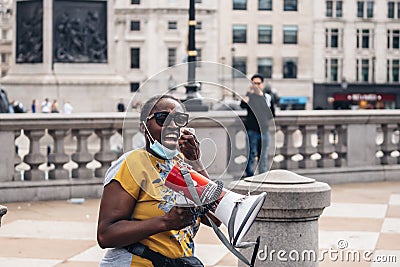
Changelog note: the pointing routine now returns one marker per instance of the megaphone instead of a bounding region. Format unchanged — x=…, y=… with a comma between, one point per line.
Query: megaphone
x=237, y=212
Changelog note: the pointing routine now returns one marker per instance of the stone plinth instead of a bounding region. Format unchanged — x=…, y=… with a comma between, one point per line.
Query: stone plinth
x=288, y=220
x=3, y=210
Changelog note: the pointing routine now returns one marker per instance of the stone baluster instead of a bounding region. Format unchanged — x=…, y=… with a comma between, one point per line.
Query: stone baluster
x=58, y=157
x=398, y=143
x=7, y=141
x=105, y=156
x=234, y=168
x=325, y=149
x=341, y=145
x=387, y=145
x=17, y=157
x=288, y=149
x=288, y=219
x=278, y=149
x=3, y=211
x=127, y=138
x=34, y=157
x=82, y=156
x=307, y=149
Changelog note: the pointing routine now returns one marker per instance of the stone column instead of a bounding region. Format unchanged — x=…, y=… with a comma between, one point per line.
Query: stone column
x=58, y=157
x=34, y=158
x=3, y=210
x=7, y=155
x=82, y=155
x=288, y=220
x=105, y=156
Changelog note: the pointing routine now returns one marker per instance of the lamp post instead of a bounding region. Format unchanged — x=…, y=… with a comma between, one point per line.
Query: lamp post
x=192, y=87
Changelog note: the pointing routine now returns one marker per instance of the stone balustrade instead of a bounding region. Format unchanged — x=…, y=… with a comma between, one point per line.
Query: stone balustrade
x=56, y=156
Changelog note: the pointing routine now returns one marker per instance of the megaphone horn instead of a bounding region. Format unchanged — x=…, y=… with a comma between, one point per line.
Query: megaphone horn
x=237, y=212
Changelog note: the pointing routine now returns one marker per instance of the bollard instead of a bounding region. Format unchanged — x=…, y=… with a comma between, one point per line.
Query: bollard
x=3, y=210
x=288, y=220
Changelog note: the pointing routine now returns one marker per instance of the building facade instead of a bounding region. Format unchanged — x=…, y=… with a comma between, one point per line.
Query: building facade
x=273, y=38
x=316, y=54
x=5, y=36
x=356, y=54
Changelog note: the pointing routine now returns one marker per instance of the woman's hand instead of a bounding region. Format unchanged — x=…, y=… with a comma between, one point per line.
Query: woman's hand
x=178, y=218
x=189, y=145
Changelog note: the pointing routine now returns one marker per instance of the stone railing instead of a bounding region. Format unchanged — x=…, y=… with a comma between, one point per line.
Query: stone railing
x=57, y=156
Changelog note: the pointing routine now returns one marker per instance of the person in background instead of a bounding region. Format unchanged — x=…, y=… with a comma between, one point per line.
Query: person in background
x=46, y=106
x=34, y=106
x=260, y=109
x=67, y=108
x=121, y=106
x=54, y=107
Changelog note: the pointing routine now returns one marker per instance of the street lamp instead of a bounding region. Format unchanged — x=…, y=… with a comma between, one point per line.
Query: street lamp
x=192, y=87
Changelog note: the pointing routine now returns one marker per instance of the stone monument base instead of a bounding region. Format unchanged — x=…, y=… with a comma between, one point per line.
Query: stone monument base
x=86, y=93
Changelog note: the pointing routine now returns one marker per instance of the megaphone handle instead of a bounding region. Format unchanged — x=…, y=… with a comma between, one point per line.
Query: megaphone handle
x=190, y=185
x=228, y=245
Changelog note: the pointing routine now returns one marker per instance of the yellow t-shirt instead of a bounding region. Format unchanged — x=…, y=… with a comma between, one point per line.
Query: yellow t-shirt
x=143, y=175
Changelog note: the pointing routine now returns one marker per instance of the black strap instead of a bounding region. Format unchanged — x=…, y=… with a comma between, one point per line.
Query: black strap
x=156, y=258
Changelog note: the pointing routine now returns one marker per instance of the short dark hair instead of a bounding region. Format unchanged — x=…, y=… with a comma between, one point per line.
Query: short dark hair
x=149, y=105
x=257, y=75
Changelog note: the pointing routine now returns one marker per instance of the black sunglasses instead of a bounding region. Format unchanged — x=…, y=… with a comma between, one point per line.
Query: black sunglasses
x=164, y=118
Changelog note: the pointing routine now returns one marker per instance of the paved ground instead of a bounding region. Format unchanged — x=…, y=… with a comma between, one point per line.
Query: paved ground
x=363, y=217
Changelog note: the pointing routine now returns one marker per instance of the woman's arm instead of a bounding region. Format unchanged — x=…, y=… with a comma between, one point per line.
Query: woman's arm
x=115, y=227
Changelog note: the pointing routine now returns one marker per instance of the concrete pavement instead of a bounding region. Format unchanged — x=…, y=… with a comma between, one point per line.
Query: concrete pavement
x=363, y=217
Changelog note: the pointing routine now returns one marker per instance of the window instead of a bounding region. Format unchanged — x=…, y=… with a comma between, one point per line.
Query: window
x=135, y=2
x=264, y=34
x=363, y=73
x=339, y=9
x=334, y=8
x=135, y=25
x=239, y=4
x=4, y=34
x=365, y=9
x=365, y=38
x=135, y=58
x=264, y=67
x=332, y=69
x=264, y=4
x=392, y=7
x=239, y=63
x=290, y=34
x=289, y=68
x=239, y=33
x=289, y=5
x=332, y=38
x=172, y=25
x=3, y=58
x=393, y=70
x=171, y=57
x=393, y=39
x=199, y=25
x=329, y=9
x=134, y=87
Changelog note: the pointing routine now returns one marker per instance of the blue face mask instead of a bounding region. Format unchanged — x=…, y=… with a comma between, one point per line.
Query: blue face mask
x=159, y=149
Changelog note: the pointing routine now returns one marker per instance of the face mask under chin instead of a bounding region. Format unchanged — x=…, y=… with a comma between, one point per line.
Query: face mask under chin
x=159, y=149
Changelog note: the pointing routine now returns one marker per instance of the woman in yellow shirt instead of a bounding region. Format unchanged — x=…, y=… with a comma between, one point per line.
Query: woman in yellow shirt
x=136, y=206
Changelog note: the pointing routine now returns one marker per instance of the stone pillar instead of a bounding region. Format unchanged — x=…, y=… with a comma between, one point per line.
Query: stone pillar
x=82, y=155
x=361, y=144
x=7, y=155
x=34, y=158
x=288, y=220
x=3, y=210
x=105, y=156
x=58, y=157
